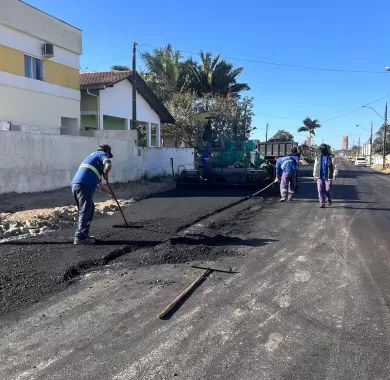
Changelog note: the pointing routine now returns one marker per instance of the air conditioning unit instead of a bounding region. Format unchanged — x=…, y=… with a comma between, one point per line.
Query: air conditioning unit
x=48, y=50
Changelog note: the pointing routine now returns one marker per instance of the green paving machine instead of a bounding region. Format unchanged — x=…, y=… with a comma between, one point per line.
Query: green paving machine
x=228, y=162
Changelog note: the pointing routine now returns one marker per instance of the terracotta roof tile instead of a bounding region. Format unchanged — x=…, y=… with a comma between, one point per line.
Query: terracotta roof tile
x=103, y=79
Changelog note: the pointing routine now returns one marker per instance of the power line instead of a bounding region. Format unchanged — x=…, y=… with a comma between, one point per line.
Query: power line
x=356, y=108
x=314, y=68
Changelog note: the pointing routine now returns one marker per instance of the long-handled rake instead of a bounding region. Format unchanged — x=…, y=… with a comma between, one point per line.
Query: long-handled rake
x=126, y=225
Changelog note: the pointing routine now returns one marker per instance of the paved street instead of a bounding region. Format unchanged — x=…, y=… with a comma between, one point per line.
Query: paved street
x=310, y=300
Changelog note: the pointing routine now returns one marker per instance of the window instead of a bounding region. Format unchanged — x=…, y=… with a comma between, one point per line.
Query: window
x=153, y=131
x=33, y=67
x=141, y=127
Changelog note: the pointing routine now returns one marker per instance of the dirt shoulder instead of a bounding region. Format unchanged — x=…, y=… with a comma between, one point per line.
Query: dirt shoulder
x=379, y=168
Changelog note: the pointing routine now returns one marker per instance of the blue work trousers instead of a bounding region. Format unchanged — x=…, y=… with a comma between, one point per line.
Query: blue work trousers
x=83, y=196
x=288, y=184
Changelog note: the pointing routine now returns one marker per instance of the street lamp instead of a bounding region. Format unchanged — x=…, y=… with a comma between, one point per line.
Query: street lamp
x=384, y=131
x=370, y=131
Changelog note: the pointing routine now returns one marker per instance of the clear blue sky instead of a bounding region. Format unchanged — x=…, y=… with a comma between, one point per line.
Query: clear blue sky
x=332, y=34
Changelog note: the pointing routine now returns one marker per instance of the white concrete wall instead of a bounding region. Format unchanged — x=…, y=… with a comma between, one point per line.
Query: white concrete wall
x=155, y=161
x=36, y=162
x=32, y=21
x=378, y=159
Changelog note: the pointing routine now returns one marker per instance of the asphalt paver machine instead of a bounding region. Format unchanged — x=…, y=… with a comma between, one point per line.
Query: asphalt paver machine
x=228, y=162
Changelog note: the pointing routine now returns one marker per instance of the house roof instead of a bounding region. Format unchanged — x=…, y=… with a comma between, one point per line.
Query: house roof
x=101, y=80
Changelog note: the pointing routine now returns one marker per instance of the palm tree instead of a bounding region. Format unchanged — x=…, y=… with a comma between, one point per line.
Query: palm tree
x=215, y=75
x=120, y=68
x=309, y=125
x=165, y=71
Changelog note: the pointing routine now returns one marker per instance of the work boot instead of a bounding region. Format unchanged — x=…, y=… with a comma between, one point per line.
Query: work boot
x=87, y=241
x=322, y=205
x=329, y=202
x=282, y=199
x=290, y=198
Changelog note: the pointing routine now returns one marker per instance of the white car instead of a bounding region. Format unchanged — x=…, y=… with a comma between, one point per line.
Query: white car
x=360, y=161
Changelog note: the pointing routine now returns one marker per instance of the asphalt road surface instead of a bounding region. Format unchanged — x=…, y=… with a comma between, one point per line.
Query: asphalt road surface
x=310, y=300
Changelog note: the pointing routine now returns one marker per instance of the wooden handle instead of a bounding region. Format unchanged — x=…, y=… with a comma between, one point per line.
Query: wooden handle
x=116, y=200
x=183, y=294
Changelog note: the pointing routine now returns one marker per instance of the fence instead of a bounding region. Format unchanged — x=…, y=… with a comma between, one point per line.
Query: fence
x=31, y=162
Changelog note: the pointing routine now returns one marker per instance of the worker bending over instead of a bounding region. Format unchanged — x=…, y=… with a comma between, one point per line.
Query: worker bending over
x=286, y=174
x=88, y=176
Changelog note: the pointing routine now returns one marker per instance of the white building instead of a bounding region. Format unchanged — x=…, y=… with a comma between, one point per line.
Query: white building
x=106, y=104
x=39, y=70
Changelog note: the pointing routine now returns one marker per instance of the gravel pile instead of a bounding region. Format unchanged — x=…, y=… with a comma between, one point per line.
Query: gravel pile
x=39, y=221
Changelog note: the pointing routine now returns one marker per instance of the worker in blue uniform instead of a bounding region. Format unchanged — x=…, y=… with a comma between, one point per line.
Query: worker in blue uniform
x=286, y=174
x=89, y=176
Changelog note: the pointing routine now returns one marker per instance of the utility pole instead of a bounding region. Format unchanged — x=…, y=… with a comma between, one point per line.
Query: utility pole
x=134, y=87
x=384, y=138
x=359, y=147
x=371, y=145
x=266, y=133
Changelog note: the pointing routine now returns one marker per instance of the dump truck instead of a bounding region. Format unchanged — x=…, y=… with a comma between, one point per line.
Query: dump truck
x=275, y=149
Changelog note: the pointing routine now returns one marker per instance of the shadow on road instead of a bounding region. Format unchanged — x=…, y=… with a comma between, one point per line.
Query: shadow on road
x=219, y=240
x=307, y=189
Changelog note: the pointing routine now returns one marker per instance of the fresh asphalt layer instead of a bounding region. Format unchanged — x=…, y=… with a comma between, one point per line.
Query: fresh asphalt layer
x=310, y=300
x=36, y=267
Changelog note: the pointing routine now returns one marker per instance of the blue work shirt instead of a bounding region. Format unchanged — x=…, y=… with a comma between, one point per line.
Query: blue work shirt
x=323, y=166
x=287, y=164
x=204, y=157
x=91, y=169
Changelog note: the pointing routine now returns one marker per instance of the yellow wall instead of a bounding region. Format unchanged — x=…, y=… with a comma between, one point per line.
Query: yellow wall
x=11, y=60
x=61, y=75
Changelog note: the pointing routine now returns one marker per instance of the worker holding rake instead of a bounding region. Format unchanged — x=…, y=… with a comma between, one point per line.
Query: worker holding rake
x=88, y=176
x=286, y=174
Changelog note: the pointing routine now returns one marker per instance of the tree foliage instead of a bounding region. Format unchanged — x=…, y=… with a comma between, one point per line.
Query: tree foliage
x=120, y=68
x=377, y=144
x=309, y=125
x=192, y=90
x=166, y=73
x=213, y=75
x=282, y=135
x=231, y=117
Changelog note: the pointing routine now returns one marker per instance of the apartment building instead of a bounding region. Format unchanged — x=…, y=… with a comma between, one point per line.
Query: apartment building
x=39, y=70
